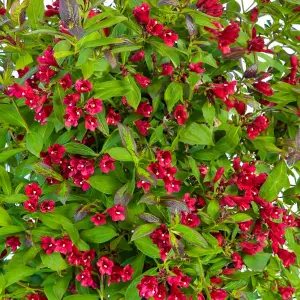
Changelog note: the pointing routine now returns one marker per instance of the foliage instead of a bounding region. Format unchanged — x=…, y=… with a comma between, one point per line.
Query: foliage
x=149, y=150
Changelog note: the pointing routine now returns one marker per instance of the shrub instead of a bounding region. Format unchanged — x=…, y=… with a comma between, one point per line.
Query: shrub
x=149, y=150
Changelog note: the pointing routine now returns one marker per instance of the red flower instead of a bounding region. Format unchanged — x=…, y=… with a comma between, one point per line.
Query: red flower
x=139, y=55
x=93, y=106
x=116, y=275
x=176, y=294
x=161, y=293
x=157, y=170
x=33, y=297
x=56, y=153
x=196, y=68
x=223, y=90
x=31, y=204
x=252, y=248
x=254, y=14
x=219, y=174
x=180, y=114
x=154, y=28
x=164, y=157
x=161, y=237
x=141, y=13
x=18, y=91
x=143, y=184
x=228, y=36
x=200, y=297
x=144, y=109
x=257, y=43
x=288, y=258
x=172, y=186
x=117, y=212
x=85, y=277
x=167, y=69
x=142, y=80
x=98, y=219
x=47, y=58
x=112, y=118
x=91, y=122
x=13, y=242
x=264, y=88
x=84, y=167
x=190, y=202
x=75, y=257
x=33, y=190
x=261, y=123
x=87, y=257
x=47, y=205
x=53, y=9
x=148, y=286
x=107, y=163
x=72, y=116
x=2, y=11
x=127, y=273
x=66, y=81
x=44, y=73
x=210, y=7
x=237, y=261
x=63, y=246
x=218, y=295
x=189, y=219
x=48, y=244
x=245, y=226
x=142, y=126
x=83, y=86
x=252, y=132
x=286, y=292
x=169, y=37
x=71, y=99
x=105, y=265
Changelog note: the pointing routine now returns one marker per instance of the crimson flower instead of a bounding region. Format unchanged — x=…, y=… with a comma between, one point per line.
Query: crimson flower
x=142, y=13
x=237, y=261
x=48, y=244
x=66, y=81
x=142, y=80
x=117, y=212
x=144, y=109
x=56, y=153
x=264, y=88
x=48, y=58
x=228, y=36
x=31, y=204
x=83, y=86
x=44, y=73
x=2, y=11
x=142, y=126
x=288, y=258
x=85, y=277
x=63, y=246
x=196, y=68
x=148, y=286
x=154, y=28
x=13, y=242
x=71, y=99
x=254, y=14
x=144, y=185
x=169, y=36
x=189, y=219
x=91, y=122
x=33, y=190
x=112, y=118
x=286, y=292
x=47, y=205
x=105, y=265
x=180, y=114
x=107, y=163
x=218, y=295
x=167, y=69
x=164, y=158
x=139, y=55
x=210, y=7
x=127, y=273
x=98, y=219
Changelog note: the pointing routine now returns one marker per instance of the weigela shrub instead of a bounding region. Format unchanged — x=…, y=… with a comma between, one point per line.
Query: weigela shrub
x=149, y=150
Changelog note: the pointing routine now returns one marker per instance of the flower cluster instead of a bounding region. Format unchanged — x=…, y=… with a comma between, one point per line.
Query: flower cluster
x=162, y=169
x=33, y=191
x=116, y=213
x=259, y=124
x=142, y=16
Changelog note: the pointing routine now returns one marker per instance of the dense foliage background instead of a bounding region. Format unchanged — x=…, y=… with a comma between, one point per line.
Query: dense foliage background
x=149, y=150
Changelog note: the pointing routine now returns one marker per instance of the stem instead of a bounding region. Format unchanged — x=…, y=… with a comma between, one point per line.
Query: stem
x=203, y=280
x=17, y=108
x=102, y=287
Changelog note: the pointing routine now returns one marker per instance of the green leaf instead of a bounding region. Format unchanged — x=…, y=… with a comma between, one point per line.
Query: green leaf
x=58, y=107
x=16, y=198
x=35, y=12
x=16, y=274
x=77, y=148
x=143, y=230
x=24, y=60
x=46, y=171
x=5, y=182
x=113, y=88
x=10, y=230
x=229, y=141
x=257, y=262
x=146, y=246
x=239, y=217
x=173, y=94
x=54, y=261
x=82, y=297
x=209, y=112
x=265, y=143
x=98, y=235
x=119, y=153
x=199, y=17
x=133, y=96
x=165, y=51
x=196, y=134
x=8, y=153
x=10, y=115
x=105, y=23
x=105, y=184
x=5, y=219
x=102, y=42
x=34, y=143
x=194, y=168
x=128, y=140
x=213, y=209
x=190, y=235
x=276, y=181
x=61, y=285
